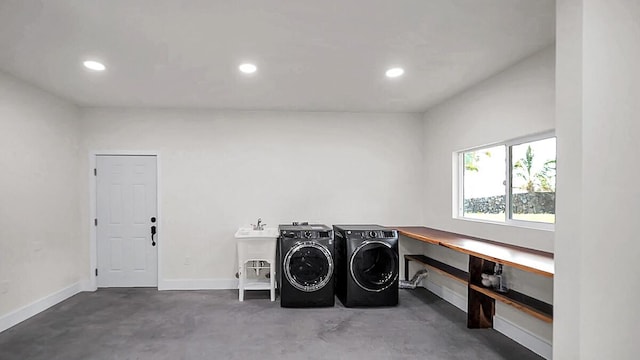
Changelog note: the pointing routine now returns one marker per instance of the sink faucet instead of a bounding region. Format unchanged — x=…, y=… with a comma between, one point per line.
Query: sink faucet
x=259, y=225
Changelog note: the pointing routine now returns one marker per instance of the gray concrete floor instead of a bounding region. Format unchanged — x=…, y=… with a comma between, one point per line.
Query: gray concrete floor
x=148, y=324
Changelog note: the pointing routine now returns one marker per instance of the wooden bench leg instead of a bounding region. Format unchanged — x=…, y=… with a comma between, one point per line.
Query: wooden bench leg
x=480, y=310
x=480, y=307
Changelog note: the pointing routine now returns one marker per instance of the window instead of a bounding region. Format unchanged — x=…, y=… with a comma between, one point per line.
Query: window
x=526, y=167
x=484, y=179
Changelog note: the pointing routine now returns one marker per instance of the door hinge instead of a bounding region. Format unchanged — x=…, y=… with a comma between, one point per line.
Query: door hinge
x=96, y=271
x=95, y=221
x=95, y=172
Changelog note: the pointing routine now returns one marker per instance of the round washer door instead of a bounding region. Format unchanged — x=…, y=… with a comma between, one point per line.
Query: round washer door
x=308, y=266
x=374, y=266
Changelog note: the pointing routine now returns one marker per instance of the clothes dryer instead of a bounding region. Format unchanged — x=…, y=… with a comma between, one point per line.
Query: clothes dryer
x=367, y=265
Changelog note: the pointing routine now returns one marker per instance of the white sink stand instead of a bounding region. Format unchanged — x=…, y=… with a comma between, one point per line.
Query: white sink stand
x=256, y=251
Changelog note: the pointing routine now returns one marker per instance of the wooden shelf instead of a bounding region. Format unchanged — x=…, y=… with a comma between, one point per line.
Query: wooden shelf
x=440, y=267
x=483, y=256
x=534, y=261
x=520, y=301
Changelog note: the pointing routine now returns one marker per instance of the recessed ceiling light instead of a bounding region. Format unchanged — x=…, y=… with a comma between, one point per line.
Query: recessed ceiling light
x=394, y=72
x=248, y=68
x=94, y=65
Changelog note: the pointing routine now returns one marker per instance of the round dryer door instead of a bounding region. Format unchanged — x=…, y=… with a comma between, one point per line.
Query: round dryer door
x=308, y=266
x=374, y=265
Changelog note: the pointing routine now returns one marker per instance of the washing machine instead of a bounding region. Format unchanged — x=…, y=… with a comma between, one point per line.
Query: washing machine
x=306, y=262
x=367, y=265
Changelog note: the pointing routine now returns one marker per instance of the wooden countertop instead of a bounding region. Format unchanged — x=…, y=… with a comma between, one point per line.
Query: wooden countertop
x=535, y=261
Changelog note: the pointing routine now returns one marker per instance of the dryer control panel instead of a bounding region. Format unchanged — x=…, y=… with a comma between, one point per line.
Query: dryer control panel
x=373, y=234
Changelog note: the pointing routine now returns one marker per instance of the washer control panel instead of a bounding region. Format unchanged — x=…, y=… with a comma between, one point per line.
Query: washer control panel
x=305, y=234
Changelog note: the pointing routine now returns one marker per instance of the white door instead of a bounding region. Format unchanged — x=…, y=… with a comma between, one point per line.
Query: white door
x=126, y=203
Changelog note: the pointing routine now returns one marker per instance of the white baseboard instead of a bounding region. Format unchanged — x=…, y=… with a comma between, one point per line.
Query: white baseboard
x=17, y=316
x=198, y=284
x=447, y=294
x=87, y=285
x=513, y=331
x=524, y=337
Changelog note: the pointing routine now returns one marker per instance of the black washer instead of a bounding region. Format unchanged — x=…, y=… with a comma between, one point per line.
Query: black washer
x=306, y=265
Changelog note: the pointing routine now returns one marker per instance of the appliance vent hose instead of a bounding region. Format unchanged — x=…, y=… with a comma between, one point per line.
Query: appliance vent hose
x=415, y=280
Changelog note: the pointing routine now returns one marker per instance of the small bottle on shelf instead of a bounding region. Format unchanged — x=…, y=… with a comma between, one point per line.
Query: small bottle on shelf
x=501, y=285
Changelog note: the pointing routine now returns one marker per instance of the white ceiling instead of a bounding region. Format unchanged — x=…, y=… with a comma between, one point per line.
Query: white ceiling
x=313, y=55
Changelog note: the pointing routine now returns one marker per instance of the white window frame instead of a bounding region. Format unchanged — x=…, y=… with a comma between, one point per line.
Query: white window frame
x=458, y=193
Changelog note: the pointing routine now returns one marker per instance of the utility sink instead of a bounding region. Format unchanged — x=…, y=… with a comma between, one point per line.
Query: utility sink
x=256, y=251
x=249, y=234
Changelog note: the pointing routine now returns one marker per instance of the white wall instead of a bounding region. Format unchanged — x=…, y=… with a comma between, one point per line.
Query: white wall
x=514, y=103
x=40, y=248
x=601, y=131
x=517, y=102
x=221, y=170
x=566, y=336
